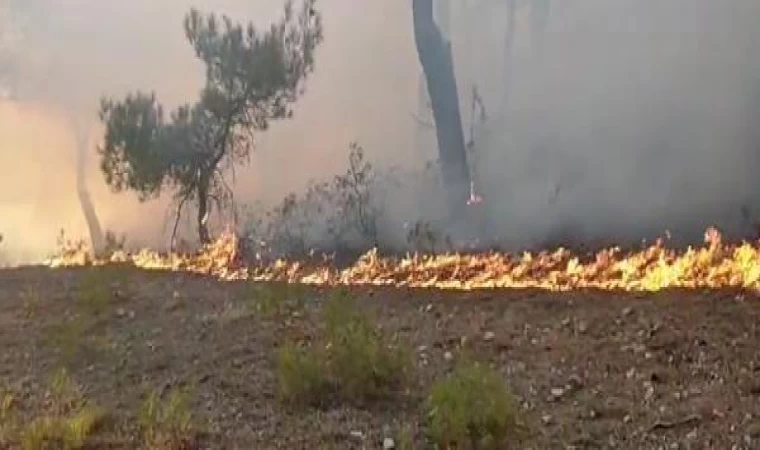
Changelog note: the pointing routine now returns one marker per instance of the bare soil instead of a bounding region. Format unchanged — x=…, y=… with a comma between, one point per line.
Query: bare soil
x=590, y=370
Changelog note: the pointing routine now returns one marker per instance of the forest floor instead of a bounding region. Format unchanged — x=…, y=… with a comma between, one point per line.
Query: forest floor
x=587, y=369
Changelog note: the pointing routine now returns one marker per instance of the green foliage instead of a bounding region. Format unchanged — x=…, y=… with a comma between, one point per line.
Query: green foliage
x=95, y=291
x=472, y=408
x=252, y=78
x=8, y=420
x=354, y=365
x=69, y=424
x=302, y=375
x=272, y=299
x=405, y=439
x=167, y=424
x=82, y=333
x=67, y=433
x=363, y=365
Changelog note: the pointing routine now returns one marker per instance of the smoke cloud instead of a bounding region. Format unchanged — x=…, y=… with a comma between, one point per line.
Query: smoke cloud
x=632, y=118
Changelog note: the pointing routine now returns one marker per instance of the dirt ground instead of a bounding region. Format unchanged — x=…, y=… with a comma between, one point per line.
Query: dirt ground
x=590, y=370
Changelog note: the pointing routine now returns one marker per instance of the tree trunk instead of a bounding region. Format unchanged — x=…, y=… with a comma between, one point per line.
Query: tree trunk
x=437, y=64
x=93, y=224
x=203, y=209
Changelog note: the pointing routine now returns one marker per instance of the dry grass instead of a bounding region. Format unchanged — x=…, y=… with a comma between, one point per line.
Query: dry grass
x=168, y=424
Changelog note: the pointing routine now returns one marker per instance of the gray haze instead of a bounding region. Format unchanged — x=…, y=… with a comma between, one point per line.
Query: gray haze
x=641, y=114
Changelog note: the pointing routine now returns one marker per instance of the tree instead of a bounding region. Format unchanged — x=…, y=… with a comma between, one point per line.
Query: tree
x=252, y=78
x=435, y=56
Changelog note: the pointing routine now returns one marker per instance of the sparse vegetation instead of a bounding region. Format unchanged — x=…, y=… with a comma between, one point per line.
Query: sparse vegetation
x=302, y=375
x=78, y=334
x=354, y=364
x=30, y=298
x=167, y=424
x=271, y=300
x=69, y=423
x=342, y=214
x=471, y=409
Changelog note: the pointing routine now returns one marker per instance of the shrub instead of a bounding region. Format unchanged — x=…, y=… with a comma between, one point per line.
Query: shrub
x=340, y=214
x=472, y=408
x=353, y=364
x=301, y=375
x=71, y=421
x=365, y=367
x=167, y=424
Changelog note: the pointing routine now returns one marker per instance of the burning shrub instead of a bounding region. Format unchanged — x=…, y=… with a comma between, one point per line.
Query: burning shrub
x=472, y=408
x=355, y=364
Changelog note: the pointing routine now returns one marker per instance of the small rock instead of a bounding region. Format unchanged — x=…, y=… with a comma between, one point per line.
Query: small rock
x=547, y=419
x=422, y=348
x=489, y=336
x=582, y=327
x=357, y=435
x=627, y=418
x=448, y=356
x=121, y=312
x=429, y=307
x=627, y=311
x=388, y=444
x=557, y=392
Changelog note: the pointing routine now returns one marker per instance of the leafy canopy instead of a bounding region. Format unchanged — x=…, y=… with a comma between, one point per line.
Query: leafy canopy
x=252, y=78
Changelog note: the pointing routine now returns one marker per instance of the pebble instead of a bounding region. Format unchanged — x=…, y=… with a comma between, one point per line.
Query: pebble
x=489, y=336
x=557, y=392
x=448, y=356
x=357, y=435
x=388, y=444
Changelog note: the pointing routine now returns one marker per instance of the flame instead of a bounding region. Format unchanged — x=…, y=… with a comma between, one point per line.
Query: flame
x=714, y=265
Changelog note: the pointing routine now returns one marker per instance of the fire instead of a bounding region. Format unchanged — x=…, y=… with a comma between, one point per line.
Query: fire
x=714, y=265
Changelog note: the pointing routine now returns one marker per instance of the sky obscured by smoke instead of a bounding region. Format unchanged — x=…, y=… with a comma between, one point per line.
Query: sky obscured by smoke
x=634, y=117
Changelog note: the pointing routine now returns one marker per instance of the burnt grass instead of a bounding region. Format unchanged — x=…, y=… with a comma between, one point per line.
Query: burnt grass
x=675, y=369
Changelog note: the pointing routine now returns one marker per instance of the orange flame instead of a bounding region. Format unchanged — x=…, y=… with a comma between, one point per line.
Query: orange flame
x=715, y=265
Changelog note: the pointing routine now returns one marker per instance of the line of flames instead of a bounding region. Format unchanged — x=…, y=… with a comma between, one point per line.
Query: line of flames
x=714, y=265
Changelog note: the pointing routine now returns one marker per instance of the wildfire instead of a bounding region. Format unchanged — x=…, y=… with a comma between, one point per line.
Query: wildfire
x=714, y=265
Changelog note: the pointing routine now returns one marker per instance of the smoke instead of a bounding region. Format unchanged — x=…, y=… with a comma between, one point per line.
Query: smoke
x=633, y=118
x=75, y=51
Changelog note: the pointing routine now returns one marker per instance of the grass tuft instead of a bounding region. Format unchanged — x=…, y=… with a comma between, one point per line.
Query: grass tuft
x=167, y=425
x=353, y=364
x=472, y=408
x=71, y=422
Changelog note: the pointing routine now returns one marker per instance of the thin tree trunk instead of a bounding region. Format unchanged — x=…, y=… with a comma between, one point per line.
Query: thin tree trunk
x=437, y=64
x=203, y=209
x=93, y=224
